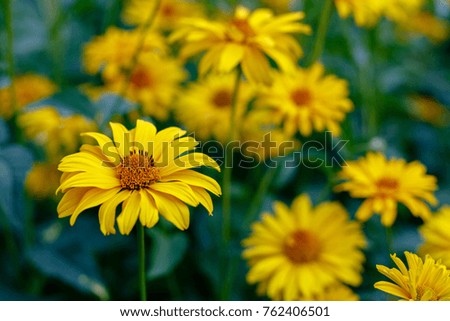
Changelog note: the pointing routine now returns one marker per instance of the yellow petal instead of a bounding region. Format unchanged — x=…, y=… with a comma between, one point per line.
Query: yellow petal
x=230, y=57
x=130, y=213
x=107, y=212
x=172, y=209
x=194, y=178
x=70, y=201
x=179, y=190
x=122, y=138
x=204, y=198
x=145, y=135
x=149, y=212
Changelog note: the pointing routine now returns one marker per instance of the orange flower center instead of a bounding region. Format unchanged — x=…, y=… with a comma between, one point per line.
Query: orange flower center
x=222, y=98
x=302, y=247
x=243, y=26
x=137, y=171
x=387, y=185
x=168, y=10
x=141, y=79
x=301, y=97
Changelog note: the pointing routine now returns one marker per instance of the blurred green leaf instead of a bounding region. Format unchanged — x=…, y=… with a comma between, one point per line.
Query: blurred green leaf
x=166, y=252
x=4, y=132
x=111, y=104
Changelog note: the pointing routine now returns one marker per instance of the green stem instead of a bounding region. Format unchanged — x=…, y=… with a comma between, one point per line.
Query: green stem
x=321, y=32
x=144, y=31
x=257, y=200
x=226, y=185
x=141, y=249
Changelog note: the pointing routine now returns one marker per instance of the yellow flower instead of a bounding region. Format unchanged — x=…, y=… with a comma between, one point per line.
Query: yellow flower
x=136, y=12
x=205, y=106
x=113, y=52
x=300, y=251
x=429, y=110
x=428, y=25
x=308, y=100
x=401, y=11
x=435, y=233
x=336, y=292
x=148, y=172
x=420, y=281
x=42, y=180
x=366, y=13
x=153, y=84
x=57, y=134
x=384, y=183
x=279, y=5
x=28, y=88
x=261, y=137
x=246, y=40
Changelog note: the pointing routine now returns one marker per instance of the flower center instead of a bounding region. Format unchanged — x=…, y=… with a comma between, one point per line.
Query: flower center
x=222, y=98
x=137, y=171
x=386, y=185
x=243, y=26
x=302, y=247
x=429, y=293
x=301, y=97
x=168, y=10
x=141, y=79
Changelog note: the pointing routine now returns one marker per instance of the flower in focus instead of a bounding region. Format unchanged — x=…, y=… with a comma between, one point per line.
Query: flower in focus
x=112, y=53
x=384, y=183
x=205, y=106
x=246, y=40
x=148, y=172
x=136, y=12
x=263, y=139
x=42, y=180
x=423, y=23
x=435, y=233
x=28, y=88
x=420, y=281
x=57, y=134
x=299, y=252
x=308, y=100
x=153, y=84
x=429, y=110
x=366, y=13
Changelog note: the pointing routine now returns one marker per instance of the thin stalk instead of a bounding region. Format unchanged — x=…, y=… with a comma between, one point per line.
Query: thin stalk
x=322, y=29
x=226, y=185
x=128, y=73
x=141, y=249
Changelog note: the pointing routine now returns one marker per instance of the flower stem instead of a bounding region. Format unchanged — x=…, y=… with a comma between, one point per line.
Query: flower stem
x=141, y=249
x=321, y=32
x=226, y=185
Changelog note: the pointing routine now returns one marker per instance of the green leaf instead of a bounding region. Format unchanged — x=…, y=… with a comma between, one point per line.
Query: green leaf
x=166, y=253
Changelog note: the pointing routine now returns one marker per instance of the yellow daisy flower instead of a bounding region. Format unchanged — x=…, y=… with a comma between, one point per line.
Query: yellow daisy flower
x=308, y=100
x=366, y=13
x=205, y=106
x=262, y=138
x=150, y=173
x=246, y=40
x=154, y=84
x=429, y=110
x=41, y=86
x=401, y=11
x=57, y=134
x=423, y=23
x=435, y=233
x=384, y=183
x=300, y=251
x=42, y=180
x=136, y=12
x=112, y=52
x=420, y=281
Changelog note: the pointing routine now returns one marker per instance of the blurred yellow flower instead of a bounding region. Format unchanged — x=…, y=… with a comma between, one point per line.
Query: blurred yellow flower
x=148, y=172
x=154, y=84
x=435, y=233
x=366, y=13
x=426, y=24
x=28, y=88
x=205, y=106
x=279, y=5
x=300, y=251
x=136, y=12
x=336, y=292
x=245, y=40
x=112, y=53
x=262, y=138
x=57, y=134
x=429, y=110
x=384, y=183
x=419, y=281
x=401, y=11
x=308, y=100
x=42, y=180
